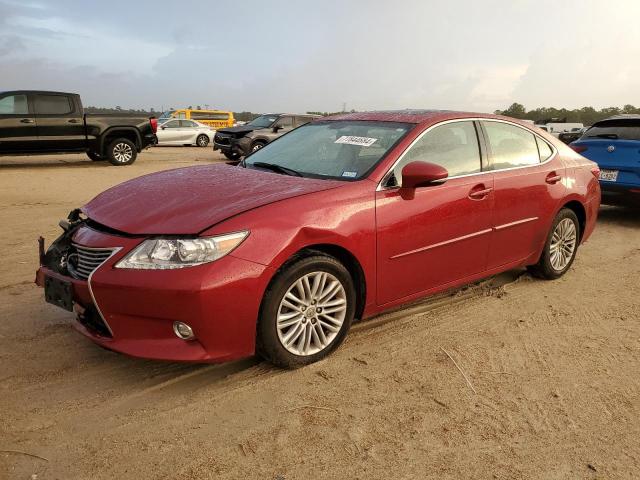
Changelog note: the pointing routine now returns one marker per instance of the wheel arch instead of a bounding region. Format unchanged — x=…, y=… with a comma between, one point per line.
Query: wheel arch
x=344, y=256
x=113, y=133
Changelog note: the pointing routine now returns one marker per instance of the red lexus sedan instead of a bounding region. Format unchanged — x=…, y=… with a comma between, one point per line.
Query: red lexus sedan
x=340, y=219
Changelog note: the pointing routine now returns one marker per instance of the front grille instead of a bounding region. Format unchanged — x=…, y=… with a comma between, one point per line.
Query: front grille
x=85, y=260
x=222, y=140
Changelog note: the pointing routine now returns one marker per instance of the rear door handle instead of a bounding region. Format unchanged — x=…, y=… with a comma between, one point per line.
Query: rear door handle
x=552, y=178
x=480, y=194
x=27, y=120
x=73, y=120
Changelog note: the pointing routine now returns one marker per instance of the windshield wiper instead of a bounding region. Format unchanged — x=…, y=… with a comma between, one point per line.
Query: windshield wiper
x=613, y=136
x=277, y=168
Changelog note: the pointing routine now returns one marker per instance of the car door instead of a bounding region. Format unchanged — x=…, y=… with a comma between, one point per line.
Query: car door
x=441, y=233
x=60, y=122
x=169, y=133
x=190, y=129
x=18, y=132
x=528, y=184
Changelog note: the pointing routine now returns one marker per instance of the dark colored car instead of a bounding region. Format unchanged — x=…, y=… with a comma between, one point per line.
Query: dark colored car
x=572, y=135
x=240, y=141
x=614, y=144
x=41, y=122
x=341, y=219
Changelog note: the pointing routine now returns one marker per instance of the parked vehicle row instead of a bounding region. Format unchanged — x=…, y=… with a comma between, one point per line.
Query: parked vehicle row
x=614, y=144
x=41, y=122
x=340, y=219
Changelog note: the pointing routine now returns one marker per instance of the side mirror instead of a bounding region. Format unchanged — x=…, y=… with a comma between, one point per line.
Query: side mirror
x=422, y=174
x=163, y=128
x=277, y=128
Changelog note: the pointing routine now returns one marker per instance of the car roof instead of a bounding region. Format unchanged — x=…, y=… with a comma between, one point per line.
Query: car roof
x=37, y=92
x=417, y=116
x=622, y=116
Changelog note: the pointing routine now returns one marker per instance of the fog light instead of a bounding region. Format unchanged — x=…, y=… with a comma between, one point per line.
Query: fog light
x=183, y=331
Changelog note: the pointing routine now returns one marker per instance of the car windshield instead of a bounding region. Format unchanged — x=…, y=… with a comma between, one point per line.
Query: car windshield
x=622, y=129
x=345, y=150
x=263, y=121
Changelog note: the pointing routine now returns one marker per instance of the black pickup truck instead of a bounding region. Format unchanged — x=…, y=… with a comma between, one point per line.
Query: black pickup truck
x=40, y=122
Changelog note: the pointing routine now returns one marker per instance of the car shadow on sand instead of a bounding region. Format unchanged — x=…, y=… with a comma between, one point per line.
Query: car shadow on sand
x=623, y=216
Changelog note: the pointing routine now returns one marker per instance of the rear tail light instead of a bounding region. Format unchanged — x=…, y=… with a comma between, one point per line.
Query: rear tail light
x=596, y=172
x=578, y=148
x=154, y=124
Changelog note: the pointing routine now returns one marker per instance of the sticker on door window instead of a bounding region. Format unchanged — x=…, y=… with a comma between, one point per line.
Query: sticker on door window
x=359, y=141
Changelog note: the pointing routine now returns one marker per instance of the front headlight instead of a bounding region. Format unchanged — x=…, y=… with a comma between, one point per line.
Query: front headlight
x=168, y=253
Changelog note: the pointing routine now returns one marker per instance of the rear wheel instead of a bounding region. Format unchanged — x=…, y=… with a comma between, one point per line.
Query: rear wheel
x=121, y=152
x=202, y=141
x=560, y=248
x=306, y=312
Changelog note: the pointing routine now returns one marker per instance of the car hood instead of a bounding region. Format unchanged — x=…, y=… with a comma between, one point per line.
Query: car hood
x=190, y=200
x=240, y=129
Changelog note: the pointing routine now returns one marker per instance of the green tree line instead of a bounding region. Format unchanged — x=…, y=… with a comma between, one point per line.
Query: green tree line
x=585, y=115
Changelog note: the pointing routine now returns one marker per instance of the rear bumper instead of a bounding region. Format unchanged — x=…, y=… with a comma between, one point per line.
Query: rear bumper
x=220, y=301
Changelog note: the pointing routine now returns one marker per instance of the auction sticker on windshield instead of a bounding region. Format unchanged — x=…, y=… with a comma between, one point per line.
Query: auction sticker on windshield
x=359, y=141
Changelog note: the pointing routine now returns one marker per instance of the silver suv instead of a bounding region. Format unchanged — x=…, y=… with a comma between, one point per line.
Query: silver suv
x=240, y=141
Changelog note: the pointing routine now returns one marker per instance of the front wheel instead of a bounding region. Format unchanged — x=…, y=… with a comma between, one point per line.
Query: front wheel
x=121, y=152
x=202, y=141
x=257, y=146
x=560, y=248
x=306, y=312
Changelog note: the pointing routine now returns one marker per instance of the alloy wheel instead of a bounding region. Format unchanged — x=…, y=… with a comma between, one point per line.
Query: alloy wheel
x=122, y=152
x=563, y=244
x=311, y=313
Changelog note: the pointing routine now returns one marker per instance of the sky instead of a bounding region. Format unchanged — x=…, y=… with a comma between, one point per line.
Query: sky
x=317, y=55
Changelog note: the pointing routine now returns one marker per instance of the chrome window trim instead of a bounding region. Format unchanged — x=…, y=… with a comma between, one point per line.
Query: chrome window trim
x=389, y=172
x=93, y=297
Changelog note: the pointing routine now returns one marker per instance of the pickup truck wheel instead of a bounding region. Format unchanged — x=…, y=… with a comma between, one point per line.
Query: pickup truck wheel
x=95, y=157
x=202, y=141
x=232, y=155
x=121, y=152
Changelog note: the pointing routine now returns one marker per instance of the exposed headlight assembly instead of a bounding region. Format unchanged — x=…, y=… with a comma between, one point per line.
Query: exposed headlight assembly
x=170, y=253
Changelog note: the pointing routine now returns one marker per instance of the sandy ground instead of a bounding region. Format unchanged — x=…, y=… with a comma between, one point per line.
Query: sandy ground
x=555, y=367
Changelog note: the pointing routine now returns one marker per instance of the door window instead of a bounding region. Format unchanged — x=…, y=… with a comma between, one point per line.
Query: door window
x=53, y=105
x=544, y=149
x=302, y=120
x=284, y=122
x=188, y=124
x=172, y=124
x=14, y=105
x=453, y=146
x=510, y=146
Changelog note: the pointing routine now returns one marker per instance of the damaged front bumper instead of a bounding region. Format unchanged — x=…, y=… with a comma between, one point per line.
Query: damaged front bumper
x=134, y=311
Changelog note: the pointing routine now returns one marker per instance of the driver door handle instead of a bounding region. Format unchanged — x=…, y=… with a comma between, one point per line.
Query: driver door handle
x=27, y=120
x=479, y=192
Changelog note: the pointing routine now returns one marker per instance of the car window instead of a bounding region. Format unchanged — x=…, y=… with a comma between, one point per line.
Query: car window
x=453, y=146
x=345, y=150
x=302, y=120
x=14, y=105
x=284, y=122
x=510, y=146
x=52, y=105
x=544, y=149
x=188, y=124
x=615, y=129
x=172, y=124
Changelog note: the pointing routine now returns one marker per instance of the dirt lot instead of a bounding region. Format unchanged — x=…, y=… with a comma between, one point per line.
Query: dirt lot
x=555, y=367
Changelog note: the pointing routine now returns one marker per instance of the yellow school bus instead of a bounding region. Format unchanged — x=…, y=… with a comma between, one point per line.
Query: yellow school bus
x=213, y=118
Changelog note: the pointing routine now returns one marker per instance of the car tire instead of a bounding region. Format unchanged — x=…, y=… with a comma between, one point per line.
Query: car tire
x=296, y=331
x=121, y=152
x=257, y=145
x=560, y=248
x=232, y=155
x=202, y=141
x=95, y=157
